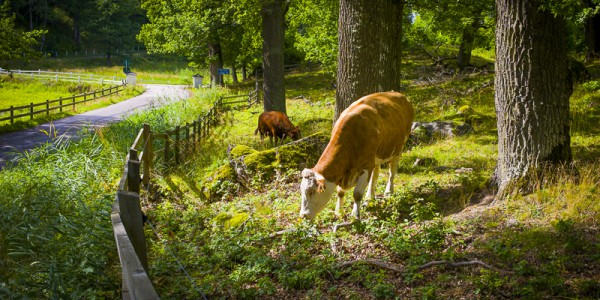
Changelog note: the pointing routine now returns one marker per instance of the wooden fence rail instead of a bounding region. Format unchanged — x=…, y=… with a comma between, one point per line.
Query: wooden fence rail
x=17, y=112
x=127, y=216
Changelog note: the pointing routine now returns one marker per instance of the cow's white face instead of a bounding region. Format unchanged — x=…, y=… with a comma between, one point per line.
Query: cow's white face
x=316, y=192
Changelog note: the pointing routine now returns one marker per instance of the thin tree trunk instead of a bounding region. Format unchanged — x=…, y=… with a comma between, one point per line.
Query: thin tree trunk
x=466, y=43
x=368, y=60
x=244, y=75
x=216, y=62
x=234, y=74
x=273, y=16
x=532, y=95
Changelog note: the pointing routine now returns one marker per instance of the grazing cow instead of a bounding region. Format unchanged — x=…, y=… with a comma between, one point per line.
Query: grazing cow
x=276, y=125
x=371, y=131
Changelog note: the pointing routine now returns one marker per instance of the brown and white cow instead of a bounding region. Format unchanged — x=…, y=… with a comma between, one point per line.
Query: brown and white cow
x=276, y=125
x=371, y=131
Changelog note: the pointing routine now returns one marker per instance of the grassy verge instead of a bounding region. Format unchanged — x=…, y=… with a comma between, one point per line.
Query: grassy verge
x=56, y=239
x=24, y=123
x=18, y=91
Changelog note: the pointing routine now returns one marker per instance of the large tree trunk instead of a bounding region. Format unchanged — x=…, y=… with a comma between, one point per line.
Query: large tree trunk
x=215, y=57
x=532, y=94
x=592, y=34
x=466, y=43
x=370, y=33
x=273, y=16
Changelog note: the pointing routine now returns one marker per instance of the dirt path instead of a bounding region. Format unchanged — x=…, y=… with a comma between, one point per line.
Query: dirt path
x=13, y=143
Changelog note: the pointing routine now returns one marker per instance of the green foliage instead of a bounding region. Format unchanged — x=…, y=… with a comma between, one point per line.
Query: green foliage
x=14, y=42
x=315, y=25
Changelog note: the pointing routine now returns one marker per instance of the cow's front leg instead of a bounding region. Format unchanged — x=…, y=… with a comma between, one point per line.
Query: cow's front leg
x=359, y=190
x=393, y=168
x=339, y=206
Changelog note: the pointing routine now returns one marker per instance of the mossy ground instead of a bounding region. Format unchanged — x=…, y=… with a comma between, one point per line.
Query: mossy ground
x=542, y=245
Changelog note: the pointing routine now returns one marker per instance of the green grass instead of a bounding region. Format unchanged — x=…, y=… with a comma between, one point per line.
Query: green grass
x=18, y=91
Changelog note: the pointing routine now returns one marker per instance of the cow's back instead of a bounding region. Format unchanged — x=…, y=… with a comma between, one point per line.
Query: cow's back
x=373, y=128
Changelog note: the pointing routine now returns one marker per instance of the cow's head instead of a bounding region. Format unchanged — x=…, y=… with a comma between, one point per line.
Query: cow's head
x=316, y=192
x=295, y=133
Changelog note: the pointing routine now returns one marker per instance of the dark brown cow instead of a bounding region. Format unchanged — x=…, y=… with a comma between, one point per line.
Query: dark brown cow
x=276, y=124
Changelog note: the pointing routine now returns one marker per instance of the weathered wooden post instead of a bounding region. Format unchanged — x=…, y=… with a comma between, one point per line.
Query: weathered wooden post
x=60, y=103
x=187, y=136
x=31, y=111
x=148, y=154
x=133, y=172
x=176, y=145
x=47, y=107
x=131, y=216
x=12, y=114
x=167, y=148
x=73, y=102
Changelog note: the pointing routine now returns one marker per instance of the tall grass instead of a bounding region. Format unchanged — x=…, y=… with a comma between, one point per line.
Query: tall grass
x=56, y=239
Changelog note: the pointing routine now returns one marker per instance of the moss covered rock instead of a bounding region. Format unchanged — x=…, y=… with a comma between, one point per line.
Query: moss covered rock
x=241, y=150
x=262, y=166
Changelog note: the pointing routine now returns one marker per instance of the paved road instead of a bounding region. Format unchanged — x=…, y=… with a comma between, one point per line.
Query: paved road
x=16, y=142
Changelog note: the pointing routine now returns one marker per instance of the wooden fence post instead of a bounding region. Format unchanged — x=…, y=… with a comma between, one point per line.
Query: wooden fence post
x=167, y=148
x=73, y=102
x=31, y=111
x=148, y=155
x=133, y=172
x=60, y=103
x=176, y=145
x=47, y=107
x=12, y=114
x=131, y=216
x=187, y=136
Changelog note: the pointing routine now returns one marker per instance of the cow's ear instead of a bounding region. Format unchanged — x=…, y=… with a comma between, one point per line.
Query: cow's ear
x=320, y=180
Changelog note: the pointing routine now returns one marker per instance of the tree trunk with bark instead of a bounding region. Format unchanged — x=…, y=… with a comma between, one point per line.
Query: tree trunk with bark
x=592, y=34
x=273, y=17
x=369, y=57
x=215, y=57
x=244, y=73
x=466, y=43
x=532, y=94
x=234, y=77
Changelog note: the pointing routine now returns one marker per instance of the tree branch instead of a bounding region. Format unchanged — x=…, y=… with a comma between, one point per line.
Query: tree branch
x=396, y=269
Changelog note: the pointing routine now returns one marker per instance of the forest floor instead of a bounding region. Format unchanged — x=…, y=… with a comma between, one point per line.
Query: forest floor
x=230, y=214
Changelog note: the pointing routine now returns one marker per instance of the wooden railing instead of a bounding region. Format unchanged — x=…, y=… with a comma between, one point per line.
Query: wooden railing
x=17, y=112
x=127, y=216
x=63, y=76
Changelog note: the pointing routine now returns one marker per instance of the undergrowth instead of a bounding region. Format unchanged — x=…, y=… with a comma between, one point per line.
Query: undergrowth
x=542, y=245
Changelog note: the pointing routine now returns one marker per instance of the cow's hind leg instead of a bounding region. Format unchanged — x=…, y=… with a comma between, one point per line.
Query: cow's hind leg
x=370, y=194
x=393, y=168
